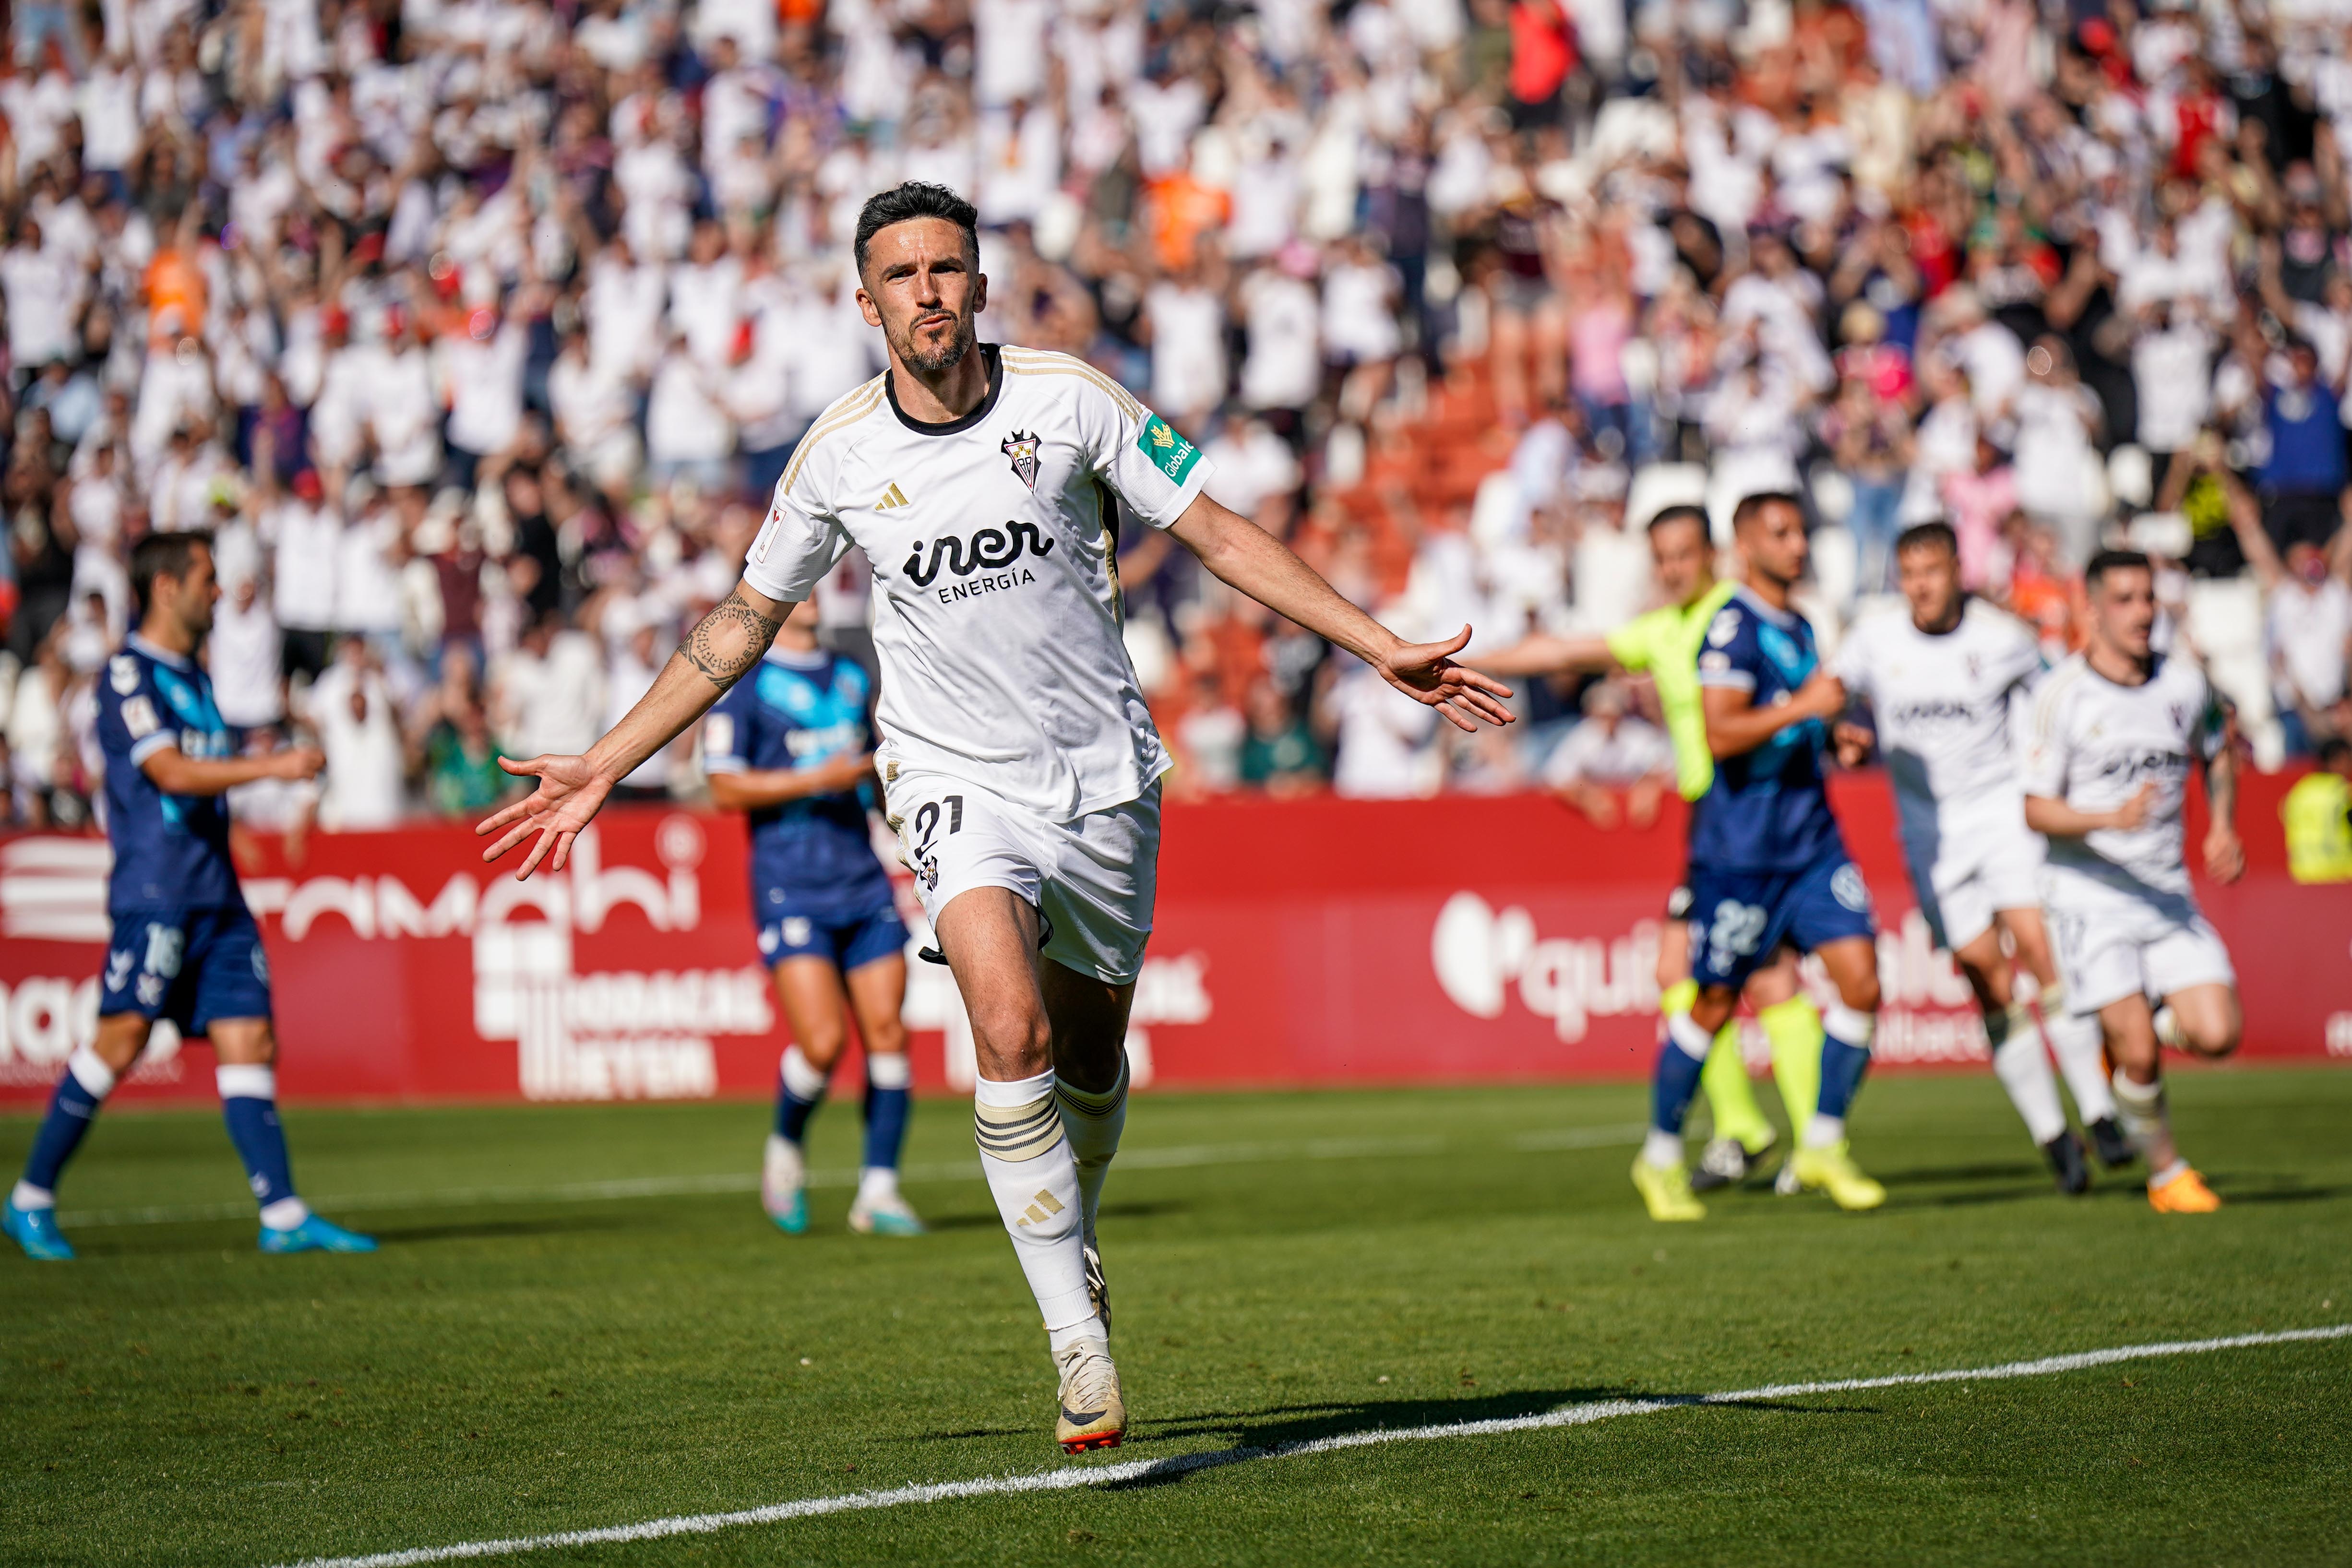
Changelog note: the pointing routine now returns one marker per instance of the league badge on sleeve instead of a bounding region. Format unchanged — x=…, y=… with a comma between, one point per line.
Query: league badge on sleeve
x=1021, y=447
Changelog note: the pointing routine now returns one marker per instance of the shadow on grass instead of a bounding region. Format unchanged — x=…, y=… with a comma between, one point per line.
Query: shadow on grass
x=1277, y=1426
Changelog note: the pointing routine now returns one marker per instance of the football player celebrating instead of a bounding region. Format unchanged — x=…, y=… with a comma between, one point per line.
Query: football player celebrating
x=1939, y=682
x=1019, y=761
x=2115, y=732
x=1767, y=866
x=791, y=746
x=185, y=947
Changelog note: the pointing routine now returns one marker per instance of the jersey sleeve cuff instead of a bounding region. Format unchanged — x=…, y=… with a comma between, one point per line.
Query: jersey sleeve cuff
x=141, y=749
x=1194, y=483
x=725, y=765
x=1728, y=680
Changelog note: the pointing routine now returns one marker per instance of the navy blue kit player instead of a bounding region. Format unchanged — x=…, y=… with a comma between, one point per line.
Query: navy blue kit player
x=1769, y=866
x=185, y=947
x=793, y=745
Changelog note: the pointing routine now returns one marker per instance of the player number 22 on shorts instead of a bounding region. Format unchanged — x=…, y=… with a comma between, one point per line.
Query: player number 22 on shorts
x=1738, y=928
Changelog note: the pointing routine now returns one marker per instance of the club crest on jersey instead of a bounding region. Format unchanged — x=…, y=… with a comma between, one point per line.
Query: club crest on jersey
x=1021, y=449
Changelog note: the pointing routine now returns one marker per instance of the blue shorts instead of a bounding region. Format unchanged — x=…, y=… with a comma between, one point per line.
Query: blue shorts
x=846, y=942
x=1737, y=918
x=190, y=965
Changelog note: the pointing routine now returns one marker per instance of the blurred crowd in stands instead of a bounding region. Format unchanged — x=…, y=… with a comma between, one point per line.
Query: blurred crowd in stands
x=478, y=331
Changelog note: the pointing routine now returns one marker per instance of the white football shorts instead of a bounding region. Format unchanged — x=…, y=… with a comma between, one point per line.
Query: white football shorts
x=1970, y=869
x=2112, y=942
x=1093, y=880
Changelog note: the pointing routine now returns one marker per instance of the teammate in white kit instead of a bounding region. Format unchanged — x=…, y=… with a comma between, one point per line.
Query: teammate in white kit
x=2114, y=731
x=1939, y=682
x=1018, y=760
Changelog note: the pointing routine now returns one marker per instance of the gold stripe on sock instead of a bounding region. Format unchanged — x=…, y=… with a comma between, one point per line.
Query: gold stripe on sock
x=1017, y=1133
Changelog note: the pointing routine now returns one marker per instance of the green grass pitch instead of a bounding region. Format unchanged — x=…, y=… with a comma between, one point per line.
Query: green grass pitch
x=532, y=1351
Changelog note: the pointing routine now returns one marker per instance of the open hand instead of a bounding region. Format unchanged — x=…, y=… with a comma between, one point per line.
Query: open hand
x=1426, y=672
x=569, y=794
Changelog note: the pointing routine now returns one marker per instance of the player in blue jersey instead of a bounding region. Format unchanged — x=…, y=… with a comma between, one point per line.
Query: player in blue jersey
x=794, y=746
x=185, y=947
x=1768, y=865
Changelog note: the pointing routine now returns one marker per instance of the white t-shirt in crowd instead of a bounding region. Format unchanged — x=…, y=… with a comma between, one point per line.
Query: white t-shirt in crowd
x=2093, y=744
x=1592, y=753
x=244, y=650
x=1283, y=367
x=1382, y=738
x=306, y=558
x=1187, y=347
x=483, y=383
x=364, y=760
x=2173, y=371
x=1942, y=704
x=1002, y=658
x=367, y=583
x=1008, y=54
x=551, y=702
x=2308, y=629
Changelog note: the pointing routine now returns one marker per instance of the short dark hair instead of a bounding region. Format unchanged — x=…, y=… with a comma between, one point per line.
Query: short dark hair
x=2108, y=560
x=1681, y=512
x=1750, y=508
x=1936, y=533
x=2333, y=750
x=164, y=555
x=914, y=199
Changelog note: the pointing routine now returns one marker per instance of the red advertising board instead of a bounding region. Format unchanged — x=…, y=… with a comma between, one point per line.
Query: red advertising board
x=1320, y=941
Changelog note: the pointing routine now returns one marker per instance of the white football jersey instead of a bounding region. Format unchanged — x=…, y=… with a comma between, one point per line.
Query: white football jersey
x=2093, y=744
x=993, y=540
x=1942, y=704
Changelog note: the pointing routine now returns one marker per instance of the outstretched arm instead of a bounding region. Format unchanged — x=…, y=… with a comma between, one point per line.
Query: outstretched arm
x=1544, y=654
x=1245, y=556
x=175, y=774
x=722, y=647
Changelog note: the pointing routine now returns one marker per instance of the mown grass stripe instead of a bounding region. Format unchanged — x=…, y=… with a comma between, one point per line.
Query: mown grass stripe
x=1173, y=1157
x=1070, y=1478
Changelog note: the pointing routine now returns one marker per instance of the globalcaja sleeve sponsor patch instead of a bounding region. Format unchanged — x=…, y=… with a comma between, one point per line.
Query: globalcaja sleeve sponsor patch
x=1169, y=452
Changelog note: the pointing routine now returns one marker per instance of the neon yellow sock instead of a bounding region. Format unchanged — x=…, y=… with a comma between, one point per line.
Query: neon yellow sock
x=1794, y=1029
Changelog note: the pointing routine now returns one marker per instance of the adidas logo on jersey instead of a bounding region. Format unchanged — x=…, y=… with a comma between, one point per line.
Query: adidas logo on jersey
x=892, y=498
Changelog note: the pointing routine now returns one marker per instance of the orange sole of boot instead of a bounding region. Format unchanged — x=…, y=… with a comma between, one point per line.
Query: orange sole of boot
x=1089, y=1445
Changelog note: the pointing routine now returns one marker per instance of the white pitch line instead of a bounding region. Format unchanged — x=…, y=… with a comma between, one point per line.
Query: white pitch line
x=1174, y=1157
x=1071, y=1477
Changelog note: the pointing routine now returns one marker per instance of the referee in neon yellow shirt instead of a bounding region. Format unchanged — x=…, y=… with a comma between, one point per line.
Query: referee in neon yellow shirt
x=1664, y=644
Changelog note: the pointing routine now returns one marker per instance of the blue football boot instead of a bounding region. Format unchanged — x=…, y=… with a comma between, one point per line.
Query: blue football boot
x=36, y=1230
x=316, y=1235
x=782, y=1186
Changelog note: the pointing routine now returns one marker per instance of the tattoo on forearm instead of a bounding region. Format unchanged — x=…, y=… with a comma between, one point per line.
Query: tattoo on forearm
x=728, y=641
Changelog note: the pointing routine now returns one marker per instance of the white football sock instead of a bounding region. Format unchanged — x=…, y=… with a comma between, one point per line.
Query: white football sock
x=26, y=1195
x=1034, y=1176
x=1662, y=1149
x=2074, y=1041
x=877, y=1184
x=285, y=1214
x=2148, y=1122
x=1824, y=1132
x=801, y=1076
x=2023, y=1069
x=1094, y=1122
